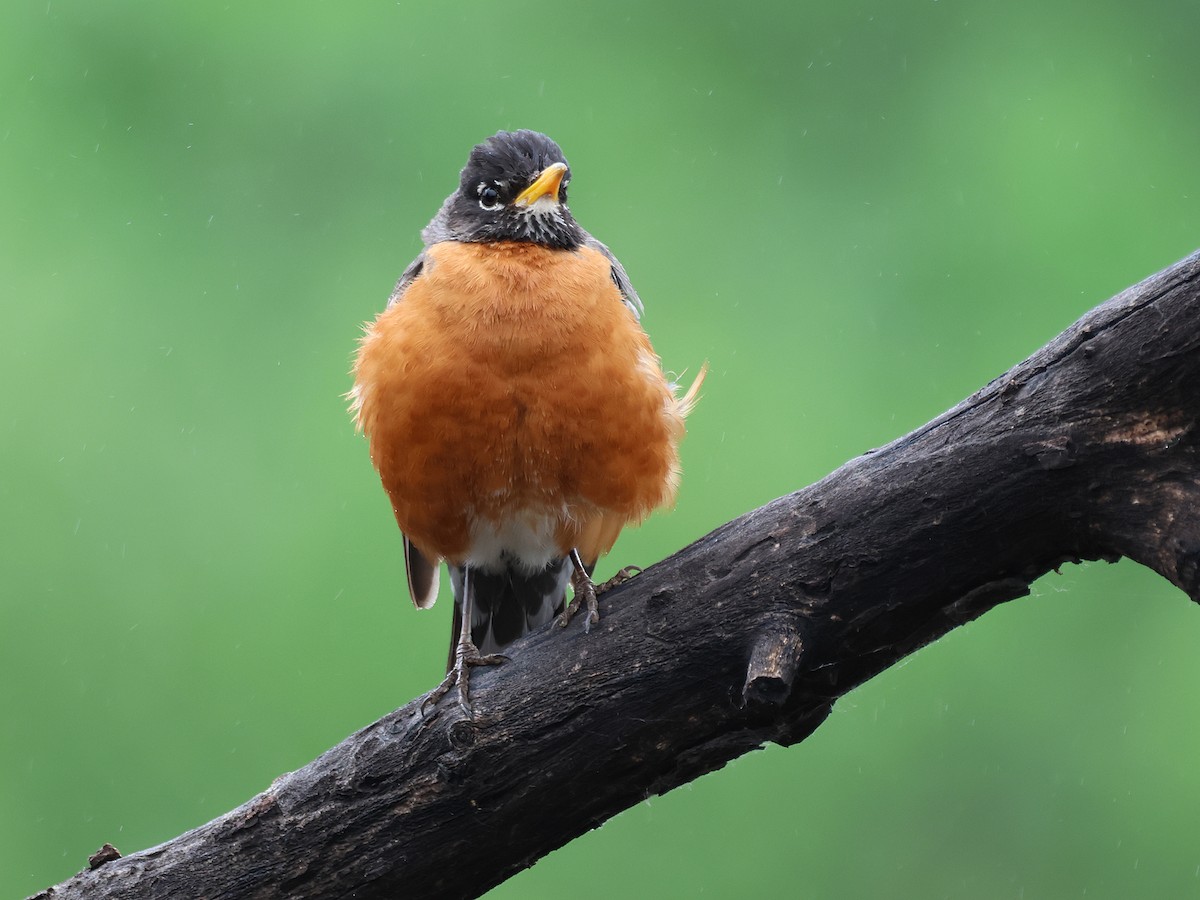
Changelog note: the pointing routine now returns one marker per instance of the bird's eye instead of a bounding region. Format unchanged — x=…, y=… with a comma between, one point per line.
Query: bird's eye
x=489, y=196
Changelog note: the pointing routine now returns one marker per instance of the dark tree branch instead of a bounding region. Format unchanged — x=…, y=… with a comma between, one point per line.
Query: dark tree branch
x=1087, y=450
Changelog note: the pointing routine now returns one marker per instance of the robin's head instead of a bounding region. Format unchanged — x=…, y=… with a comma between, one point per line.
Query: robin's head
x=513, y=188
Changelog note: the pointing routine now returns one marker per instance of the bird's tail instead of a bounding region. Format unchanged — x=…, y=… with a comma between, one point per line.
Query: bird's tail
x=507, y=604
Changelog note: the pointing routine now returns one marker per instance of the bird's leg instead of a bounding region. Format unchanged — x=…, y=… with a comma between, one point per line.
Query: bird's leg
x=466, y=655
x=584, y=594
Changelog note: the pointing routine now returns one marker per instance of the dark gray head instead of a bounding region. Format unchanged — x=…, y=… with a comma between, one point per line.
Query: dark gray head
x=513, y=188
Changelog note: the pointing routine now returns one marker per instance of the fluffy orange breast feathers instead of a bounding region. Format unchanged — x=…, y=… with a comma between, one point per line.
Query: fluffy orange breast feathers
x=512, y=394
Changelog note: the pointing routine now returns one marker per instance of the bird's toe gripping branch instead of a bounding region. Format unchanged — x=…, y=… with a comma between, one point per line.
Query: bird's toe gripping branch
x=466, y=655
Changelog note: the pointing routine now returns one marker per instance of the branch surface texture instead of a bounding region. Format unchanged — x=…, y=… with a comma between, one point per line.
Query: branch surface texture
x=1089, y=449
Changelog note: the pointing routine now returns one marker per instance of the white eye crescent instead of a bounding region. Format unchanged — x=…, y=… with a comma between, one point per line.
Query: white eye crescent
x=489, y=196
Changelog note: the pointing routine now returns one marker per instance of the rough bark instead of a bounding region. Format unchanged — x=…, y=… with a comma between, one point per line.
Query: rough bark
x=1087, y=450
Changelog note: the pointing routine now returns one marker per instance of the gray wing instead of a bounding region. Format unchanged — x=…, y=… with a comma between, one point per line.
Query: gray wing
x=620, y=279
x=422, y=573
x=406, y=278
x=436, y=231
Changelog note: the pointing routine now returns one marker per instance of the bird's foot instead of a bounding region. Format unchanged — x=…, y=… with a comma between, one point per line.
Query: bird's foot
x=619, y=579
x=584, y=596
x=466, y=657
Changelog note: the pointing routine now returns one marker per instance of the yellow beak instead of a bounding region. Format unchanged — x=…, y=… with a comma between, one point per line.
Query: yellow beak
x=546, y=185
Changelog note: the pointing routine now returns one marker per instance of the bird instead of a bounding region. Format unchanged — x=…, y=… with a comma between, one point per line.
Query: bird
x=515, y=410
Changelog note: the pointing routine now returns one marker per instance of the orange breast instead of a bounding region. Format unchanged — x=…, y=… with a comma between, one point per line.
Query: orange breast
x=511, y=380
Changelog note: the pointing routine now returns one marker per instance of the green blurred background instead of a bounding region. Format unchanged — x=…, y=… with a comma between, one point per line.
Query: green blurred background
x=858, y=212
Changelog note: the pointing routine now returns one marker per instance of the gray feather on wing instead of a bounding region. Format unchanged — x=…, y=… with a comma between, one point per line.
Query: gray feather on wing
x=406, y=278
x=632, y=300
x=422, y=574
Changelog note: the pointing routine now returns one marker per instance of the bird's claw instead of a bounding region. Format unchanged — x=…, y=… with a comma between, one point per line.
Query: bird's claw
x=622, y=576
x=586, y=592
x=585, y=596
x=466, y=656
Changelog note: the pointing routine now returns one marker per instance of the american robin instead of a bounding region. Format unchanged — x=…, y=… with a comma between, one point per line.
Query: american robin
x=517, y=415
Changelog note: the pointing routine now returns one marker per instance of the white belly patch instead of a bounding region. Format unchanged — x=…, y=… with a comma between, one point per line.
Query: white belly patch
x=527, y=538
